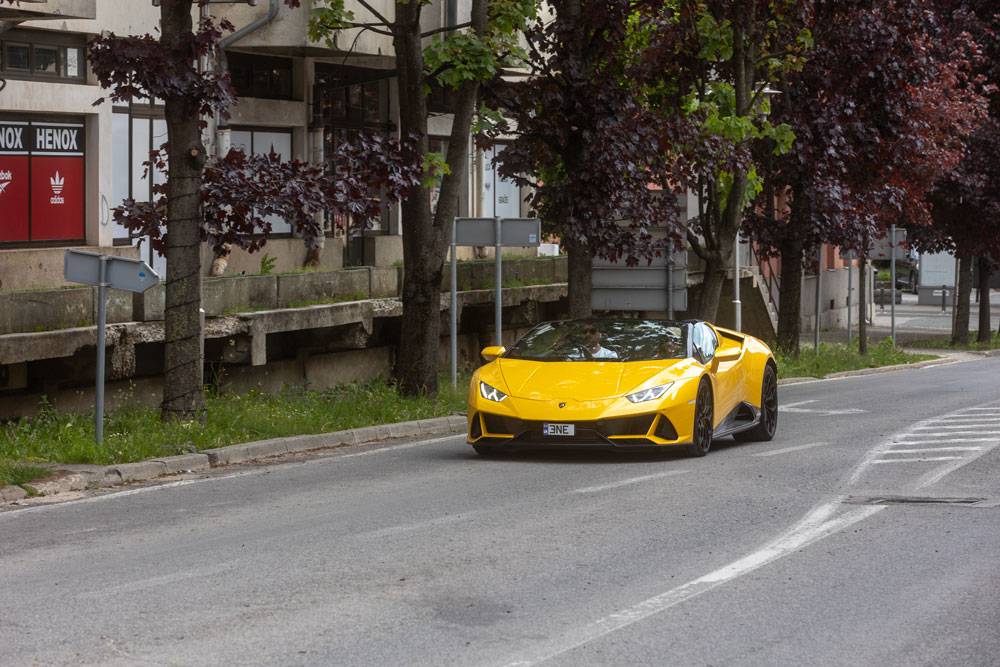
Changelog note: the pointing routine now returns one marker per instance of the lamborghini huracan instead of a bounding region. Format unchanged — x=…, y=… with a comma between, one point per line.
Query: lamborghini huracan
x=624, y=384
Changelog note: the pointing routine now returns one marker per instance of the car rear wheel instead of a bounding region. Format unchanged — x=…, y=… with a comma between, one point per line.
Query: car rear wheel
x=701, y=440
x=768, y=424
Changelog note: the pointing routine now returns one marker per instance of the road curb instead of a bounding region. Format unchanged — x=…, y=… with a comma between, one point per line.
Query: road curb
x=89, y=477
x=941, y=357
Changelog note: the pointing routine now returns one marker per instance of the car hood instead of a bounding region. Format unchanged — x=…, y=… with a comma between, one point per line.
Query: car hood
x=582, y=380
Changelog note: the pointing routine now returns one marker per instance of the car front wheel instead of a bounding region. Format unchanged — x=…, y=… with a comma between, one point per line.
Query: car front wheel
x=701, y=440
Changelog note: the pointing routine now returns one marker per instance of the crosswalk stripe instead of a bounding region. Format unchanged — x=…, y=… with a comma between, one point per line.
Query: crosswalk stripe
x=933, y=449
x=922, y=459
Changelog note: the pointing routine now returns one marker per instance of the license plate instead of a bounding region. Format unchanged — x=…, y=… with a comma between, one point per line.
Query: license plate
x=559, y=429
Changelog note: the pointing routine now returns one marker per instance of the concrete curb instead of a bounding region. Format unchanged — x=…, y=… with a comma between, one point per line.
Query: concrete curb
x=78, y=478
x=943, y=357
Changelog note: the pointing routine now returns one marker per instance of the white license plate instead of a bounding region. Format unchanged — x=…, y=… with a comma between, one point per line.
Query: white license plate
x=559, y=429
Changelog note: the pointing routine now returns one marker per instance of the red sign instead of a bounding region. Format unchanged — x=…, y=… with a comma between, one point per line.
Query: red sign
x=13, y=197
x=57, y=187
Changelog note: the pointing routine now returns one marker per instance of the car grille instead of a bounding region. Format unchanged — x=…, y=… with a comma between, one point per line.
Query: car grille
x=531, y=430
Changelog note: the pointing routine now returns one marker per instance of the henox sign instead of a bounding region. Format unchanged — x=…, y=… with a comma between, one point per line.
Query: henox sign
x=42, y=181
x=12, y=138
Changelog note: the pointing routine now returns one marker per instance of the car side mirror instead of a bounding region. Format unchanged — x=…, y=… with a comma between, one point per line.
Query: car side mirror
x=492, y=352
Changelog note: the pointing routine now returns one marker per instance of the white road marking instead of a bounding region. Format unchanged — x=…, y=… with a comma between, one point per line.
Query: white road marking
x=922, y=459
x=819, y=523
x=794, y=407
x=937, y=441
x=993, y=409
x=959, y=427
x=785, y=450
x=160, y=580
x=626, y=482
x=933, y=449
x=419, y=525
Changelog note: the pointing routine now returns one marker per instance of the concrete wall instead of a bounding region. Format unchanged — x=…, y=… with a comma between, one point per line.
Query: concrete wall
x=833, y=299
x=42, y=268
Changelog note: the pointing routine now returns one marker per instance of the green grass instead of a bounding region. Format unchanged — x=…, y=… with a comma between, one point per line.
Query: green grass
x=134, y=434
x=12, y=473
x=836, y=358
x=944, y=343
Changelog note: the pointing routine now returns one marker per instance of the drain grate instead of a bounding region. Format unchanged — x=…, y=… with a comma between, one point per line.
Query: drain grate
x=921, y=500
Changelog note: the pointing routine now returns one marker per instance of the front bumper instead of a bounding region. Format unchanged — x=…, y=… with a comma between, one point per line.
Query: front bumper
x=640, y=431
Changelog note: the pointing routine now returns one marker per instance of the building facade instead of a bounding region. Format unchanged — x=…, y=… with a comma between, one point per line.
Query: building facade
x=66, y=163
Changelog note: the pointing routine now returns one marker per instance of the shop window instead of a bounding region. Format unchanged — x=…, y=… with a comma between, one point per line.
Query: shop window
x=42, y=181
x=261, y=76
x=28, y=54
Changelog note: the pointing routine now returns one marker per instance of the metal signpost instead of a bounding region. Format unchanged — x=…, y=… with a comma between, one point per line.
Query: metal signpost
x=737, y=304
x=892, y=288
x=104, y=271
x=498, y=232
x=849, y=255
x=819, y=288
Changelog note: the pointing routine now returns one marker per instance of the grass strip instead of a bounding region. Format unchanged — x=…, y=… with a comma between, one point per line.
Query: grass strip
x=944, y=343
x=12, y=473
x=137, y=433
x=839, y=357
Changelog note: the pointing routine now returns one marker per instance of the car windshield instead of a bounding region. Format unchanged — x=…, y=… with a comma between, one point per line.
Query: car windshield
x=602, y=340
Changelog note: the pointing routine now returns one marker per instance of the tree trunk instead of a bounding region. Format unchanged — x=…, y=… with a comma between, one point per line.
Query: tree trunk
x=426, y=235
x=183, y=396
x=863, y=305
x=985, y=273
x=580, y=263
x=790, y=299
x=711, y=288
x=960, y=332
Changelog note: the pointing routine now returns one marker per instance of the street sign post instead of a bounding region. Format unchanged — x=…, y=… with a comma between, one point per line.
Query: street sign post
x=104, y=271
x=497, y=232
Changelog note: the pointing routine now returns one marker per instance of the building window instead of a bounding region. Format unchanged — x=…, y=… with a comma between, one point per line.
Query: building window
x=261, y=141
x=261, y=76
x=136, y=130
x=346, y=102
x=27, y=54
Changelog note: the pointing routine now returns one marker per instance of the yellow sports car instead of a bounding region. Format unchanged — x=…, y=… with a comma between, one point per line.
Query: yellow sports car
x=624, y=383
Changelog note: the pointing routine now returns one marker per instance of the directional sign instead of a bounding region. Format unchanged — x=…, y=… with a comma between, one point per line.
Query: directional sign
x=513, y=231
x=132, y=275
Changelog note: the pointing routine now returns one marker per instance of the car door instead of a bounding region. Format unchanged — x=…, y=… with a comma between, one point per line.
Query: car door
x=725, y=373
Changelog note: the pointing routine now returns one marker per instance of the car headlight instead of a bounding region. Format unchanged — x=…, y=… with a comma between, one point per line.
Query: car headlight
x=491, y=393
x=650, y=394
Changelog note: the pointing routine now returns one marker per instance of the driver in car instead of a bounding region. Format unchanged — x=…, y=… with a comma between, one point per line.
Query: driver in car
x=592, y=341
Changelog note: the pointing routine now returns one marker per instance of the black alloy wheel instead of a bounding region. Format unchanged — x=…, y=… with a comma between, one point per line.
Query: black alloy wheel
x=768, y=424
x=701, y=441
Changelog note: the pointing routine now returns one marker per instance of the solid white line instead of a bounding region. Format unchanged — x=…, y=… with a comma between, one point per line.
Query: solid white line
x=626, y=482
x=789, y=449
x=922, y=459
x=213, y=478
x=819, y=523
x=993, y=409
x=933, y=449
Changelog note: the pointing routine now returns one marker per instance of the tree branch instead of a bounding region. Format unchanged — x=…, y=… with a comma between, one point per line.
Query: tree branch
x=374, y=27
x=447, y=28
x=386, y=22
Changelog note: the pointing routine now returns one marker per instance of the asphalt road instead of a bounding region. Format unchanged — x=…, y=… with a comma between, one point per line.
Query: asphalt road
x=424, y=554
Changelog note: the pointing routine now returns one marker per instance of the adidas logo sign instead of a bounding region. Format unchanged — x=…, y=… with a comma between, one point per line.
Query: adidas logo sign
x=6, y=178
x=57, y=182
